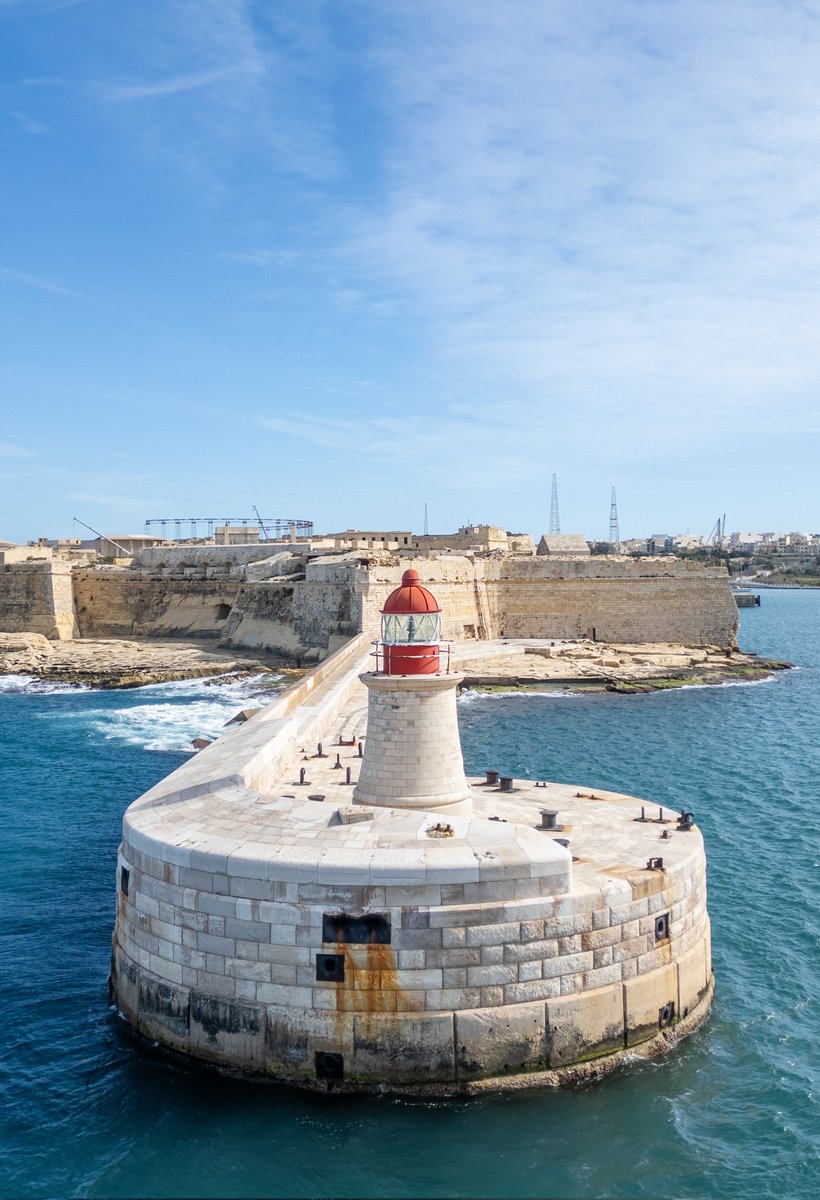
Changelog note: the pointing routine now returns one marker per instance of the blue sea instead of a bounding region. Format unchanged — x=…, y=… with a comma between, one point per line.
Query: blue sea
x=733, y=1112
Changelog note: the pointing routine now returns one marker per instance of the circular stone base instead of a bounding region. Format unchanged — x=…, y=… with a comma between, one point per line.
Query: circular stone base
x=588, y=1071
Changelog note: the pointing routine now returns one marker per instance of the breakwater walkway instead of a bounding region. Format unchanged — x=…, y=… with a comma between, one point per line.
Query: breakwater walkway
x=268, y=923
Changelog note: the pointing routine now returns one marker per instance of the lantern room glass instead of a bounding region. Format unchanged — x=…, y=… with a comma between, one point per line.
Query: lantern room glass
x=409, y=629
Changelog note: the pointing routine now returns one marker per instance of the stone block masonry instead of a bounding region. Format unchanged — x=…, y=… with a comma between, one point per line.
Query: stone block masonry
x=312, y=606
x=37, y=597
x=257, y=930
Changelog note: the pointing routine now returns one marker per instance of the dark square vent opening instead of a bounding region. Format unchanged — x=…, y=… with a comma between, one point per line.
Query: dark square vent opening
x=125, y=875
x=666, y=1015
x=329, y=1066
x=330, y=968
x=373, y=928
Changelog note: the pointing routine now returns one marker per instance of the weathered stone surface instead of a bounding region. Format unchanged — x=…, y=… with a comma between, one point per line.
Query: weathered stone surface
x=692, y=977
x=227, y=1030
x=163, y=1011
x=645, y=997
x=585, y=1025
x=408, y=1051
x=506, y=1041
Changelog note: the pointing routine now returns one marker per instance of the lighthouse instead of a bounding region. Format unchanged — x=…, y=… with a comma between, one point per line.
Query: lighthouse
x=412, y=757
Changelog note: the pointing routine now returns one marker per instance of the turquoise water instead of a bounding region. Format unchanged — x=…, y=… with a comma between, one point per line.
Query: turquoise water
x=85, y=1111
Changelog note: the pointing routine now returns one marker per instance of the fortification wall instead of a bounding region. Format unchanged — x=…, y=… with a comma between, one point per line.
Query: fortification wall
x=230, y=559
x=613, y=600
x=618, y=600
x=610, y=599
x=37, y=597
x=125, y=603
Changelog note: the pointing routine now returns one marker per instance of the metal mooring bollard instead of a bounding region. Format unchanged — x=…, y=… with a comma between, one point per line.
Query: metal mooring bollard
x=361, y=748
x=549, y=818
x=337, y=766
x=347, y=775
x=505, y=783
x=302, y=775
x=492, y=778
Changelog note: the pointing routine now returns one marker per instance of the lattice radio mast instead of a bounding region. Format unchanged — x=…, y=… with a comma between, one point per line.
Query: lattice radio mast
x=555, y=520
x=614, y=535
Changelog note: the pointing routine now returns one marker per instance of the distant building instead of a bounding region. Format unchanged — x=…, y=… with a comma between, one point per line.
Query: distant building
x=476, y=539
x=364, y=539
x=562, y=544
x=236, y=535
x=113, y=547
x=687, y=541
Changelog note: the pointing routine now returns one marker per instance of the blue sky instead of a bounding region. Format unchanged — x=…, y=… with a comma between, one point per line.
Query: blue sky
x=339, y=259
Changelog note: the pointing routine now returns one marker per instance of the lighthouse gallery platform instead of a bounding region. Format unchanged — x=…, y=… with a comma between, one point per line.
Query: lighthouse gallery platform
x=304, y=905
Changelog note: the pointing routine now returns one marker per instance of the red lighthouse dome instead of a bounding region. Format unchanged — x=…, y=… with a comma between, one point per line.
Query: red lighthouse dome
x=411, y=629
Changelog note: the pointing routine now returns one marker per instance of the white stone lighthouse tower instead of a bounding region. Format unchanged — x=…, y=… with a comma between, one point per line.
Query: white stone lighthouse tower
x=412, y=756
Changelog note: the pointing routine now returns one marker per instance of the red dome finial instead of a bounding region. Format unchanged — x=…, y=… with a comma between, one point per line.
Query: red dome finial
x=411, y=597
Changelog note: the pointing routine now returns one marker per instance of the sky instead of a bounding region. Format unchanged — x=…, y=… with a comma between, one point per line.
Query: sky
x=339, y=259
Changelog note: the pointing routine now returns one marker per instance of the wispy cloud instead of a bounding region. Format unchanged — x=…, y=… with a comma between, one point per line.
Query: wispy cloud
x=263, y=258
x=36, y=281
x=29, y=124
x=40, y=6
x=234, y=83
x=170, y=87
x=9, y=450
x=610, y=216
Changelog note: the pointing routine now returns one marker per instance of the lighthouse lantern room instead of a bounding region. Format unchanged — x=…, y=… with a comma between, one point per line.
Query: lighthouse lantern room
x=411, y=629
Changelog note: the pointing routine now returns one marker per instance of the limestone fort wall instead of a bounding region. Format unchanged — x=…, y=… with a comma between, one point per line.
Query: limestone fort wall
x=615, y=600
x=307, y=609
x=37, y=597
x=118, y=602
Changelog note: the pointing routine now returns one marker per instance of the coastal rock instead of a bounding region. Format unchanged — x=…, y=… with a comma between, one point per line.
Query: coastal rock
x=23, y=653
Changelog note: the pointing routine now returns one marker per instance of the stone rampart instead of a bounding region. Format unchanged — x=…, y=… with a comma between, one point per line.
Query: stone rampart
x=121, y=602
x=608, y=599
x=180, y=592
x=37, y=597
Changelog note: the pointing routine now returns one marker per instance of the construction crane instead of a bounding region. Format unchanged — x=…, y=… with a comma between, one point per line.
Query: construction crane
x=261, y=524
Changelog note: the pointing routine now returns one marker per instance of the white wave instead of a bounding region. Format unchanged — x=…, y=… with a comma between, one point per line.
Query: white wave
x=163, y=726
x=726, y=683
x=470, y=696
x=168, y=716
x=214, y=685
x=15, y=683
x=32, y=686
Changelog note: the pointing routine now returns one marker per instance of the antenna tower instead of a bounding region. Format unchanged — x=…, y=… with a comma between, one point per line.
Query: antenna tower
x=426, y=529
x=555, y=520
x=614, y=535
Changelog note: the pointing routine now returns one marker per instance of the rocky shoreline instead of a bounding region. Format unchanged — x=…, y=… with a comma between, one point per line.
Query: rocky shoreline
x=586, y=666
x=486, y=665
x=116, y=663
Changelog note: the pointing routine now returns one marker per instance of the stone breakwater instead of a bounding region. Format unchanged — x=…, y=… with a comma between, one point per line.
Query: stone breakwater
x=267, y=924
